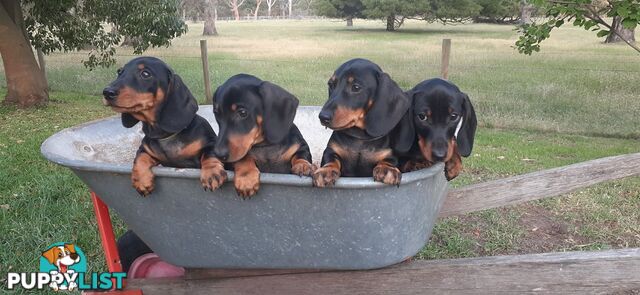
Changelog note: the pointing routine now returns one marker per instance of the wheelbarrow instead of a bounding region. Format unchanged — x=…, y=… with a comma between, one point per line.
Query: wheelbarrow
x=289, y=224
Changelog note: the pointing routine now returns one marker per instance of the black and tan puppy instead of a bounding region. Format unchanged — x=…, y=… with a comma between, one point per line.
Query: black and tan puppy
x=257, y=131
x=445, y=123
x=365, y=110
x=148, y=91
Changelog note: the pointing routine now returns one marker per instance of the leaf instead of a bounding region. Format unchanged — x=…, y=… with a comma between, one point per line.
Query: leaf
x=603, y=33
x=629, y=23
x=559, y=23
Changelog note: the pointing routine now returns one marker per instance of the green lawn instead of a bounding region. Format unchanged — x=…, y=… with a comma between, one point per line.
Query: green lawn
x=575, y=101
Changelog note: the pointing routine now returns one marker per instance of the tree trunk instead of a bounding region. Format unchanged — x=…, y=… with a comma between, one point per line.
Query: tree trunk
x=627, y=34
x=210, y=18
x=349, y=21
x=268, y=10
x=290, y=6
x=391, y=19
x=26, y=84
x=255, y=13
x=235, y=10
x=526, y=10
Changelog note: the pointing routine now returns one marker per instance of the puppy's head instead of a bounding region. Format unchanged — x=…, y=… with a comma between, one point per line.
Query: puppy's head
x=147, y=90
x=361, y=95
x=62, y=255
x=250, y=111
x=443, y=117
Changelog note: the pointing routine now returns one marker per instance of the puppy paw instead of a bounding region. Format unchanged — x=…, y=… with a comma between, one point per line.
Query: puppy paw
x=303, y=168
x=325, y=176
x=387, y=174
x=247, y=184
x=143, y=182
x=212, y=178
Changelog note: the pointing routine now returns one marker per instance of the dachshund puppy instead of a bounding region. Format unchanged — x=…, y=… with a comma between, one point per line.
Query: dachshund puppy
x=365, y=109
x=445, y=123
x=257, y=132
x=147, y=90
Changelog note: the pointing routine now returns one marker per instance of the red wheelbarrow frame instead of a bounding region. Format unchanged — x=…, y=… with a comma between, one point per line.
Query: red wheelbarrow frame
x=105, y=229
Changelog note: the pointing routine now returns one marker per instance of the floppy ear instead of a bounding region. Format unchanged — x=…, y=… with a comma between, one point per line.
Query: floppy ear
x=128, y=120
x=403, y=136
x=279, y=110
x=71, y=247
x=179, y=106
x=50, y=255
x=389, y=105
x=468, y=130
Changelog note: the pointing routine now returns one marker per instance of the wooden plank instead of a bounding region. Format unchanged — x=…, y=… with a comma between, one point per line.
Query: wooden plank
x=204, y=273
x=562, y=273
x=446, y=54
x=538, y=185
x=204, y=55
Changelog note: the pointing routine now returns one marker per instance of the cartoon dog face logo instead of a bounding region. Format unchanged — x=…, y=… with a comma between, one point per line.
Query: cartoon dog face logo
x=62, y=256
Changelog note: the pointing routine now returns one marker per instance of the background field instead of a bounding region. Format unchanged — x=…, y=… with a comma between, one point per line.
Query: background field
x=574, y=101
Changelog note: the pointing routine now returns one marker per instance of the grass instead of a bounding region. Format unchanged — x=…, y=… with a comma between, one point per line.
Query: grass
x=575, y=101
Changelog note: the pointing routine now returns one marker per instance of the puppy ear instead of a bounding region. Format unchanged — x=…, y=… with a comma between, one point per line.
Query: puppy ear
x=389, y=105
x=71, y=247
x=50, y=255
x=128, y=120
x=404, y=135
x=468, y=129
x=279, y=108
x=179, y=106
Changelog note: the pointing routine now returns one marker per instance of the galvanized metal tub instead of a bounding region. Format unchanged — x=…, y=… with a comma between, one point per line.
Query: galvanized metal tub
x=358, y=224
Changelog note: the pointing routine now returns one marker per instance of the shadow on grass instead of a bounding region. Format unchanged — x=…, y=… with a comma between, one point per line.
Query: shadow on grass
x=422, y=31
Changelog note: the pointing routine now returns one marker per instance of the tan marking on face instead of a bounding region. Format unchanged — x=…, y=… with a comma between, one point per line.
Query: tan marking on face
x=191, y=150
x=451, y=149
x=333, y=78
x=141, y=106
x=287, y=155
x=240, y=144
x=350, y=79
x=140, y=66
x=344, y=118
x=234, y=107
x=425, y=148
x=450, y=110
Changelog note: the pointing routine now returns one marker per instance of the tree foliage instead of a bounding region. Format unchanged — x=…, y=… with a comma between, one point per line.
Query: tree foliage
x=69, y=25
x=339, y=8
x=587, y=14
x=498, y=11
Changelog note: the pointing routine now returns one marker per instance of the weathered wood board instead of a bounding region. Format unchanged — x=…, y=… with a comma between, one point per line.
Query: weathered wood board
x=613, y=271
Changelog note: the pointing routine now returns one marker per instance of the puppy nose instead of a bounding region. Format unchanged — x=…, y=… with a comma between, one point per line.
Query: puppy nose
x=439, y=154
x=325, y=118
x=222, y=153
x=110, y=93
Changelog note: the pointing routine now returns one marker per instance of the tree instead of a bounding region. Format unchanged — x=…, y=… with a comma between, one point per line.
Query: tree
x=590, y=15
x=270, y=4
x=74, y=25
x=498, y=11
x=344, y=9
x=210, y=17
x=394, y=12
x=255, y=13
x=235, y=7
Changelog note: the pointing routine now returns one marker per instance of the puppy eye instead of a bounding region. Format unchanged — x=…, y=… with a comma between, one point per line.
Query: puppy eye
x=331, y=84
x=454, y=117
x=60, y=254
x=355, y=87
x=422, y=116
x=119, y=71
x=145, y=74
x=242, y=113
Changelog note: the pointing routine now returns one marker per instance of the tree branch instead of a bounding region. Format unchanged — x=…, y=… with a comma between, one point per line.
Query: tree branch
x=596, y=17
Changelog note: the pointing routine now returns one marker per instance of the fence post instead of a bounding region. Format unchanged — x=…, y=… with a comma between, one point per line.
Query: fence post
x=205, y=71
x=446, y=52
